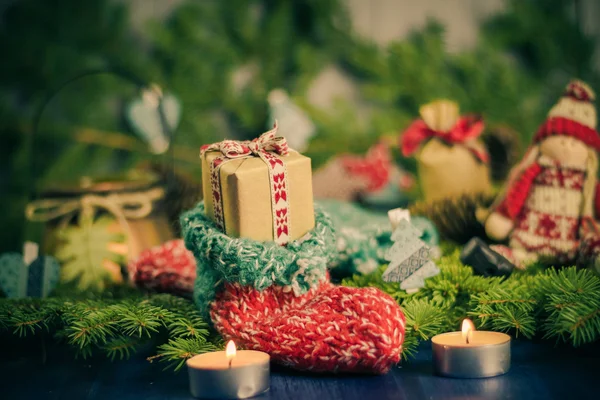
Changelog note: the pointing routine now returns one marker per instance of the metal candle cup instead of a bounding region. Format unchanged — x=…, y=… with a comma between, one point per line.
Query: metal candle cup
x=218, y=375
x=485, y=355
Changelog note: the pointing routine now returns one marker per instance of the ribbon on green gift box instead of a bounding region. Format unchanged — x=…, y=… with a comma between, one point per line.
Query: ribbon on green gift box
x=122, y=206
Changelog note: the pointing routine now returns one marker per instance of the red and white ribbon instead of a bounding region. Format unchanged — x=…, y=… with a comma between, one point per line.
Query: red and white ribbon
x=268, y=147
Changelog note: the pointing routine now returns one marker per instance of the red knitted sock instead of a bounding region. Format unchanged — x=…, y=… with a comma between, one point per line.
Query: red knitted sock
x=330, y=329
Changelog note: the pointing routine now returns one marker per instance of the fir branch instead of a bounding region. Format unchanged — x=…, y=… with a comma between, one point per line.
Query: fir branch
x=375, y=279
x=177, y=305
x=572, y=305
x=409, y=347
x=28, y=319
x=114, y=326
x=142, y=319
x=27, y=324
x=193, y=327
x=560, y=304
x=178, y=350
x=506, y=310
x=122, y=347
x=455, y=283
x=424, y=319
x=91, y=328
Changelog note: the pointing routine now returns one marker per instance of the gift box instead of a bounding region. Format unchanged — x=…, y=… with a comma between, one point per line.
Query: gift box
x=28, y=274
x=258, y=189
x=451, y=160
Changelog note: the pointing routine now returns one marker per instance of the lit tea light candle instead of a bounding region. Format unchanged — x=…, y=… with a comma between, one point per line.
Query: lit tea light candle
x=471, y=353
x=229, y=374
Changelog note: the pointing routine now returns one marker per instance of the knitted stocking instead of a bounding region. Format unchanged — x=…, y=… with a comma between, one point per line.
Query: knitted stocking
x=330, y=328
x=279, y=300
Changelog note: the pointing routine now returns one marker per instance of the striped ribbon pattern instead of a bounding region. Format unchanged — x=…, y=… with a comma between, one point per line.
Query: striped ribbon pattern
x=267, y=147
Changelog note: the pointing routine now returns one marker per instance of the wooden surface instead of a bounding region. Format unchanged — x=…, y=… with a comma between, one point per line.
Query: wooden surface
x=539, y=371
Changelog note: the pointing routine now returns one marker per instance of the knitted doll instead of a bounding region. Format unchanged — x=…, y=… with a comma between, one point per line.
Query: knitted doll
x=549, y=203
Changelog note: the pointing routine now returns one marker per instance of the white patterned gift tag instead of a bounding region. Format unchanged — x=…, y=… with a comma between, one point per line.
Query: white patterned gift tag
x=410, y=258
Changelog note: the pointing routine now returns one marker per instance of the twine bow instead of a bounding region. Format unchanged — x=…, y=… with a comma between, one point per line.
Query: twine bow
x=267, y=147
x=121, y=205
x=463, y=132
x=267, y=142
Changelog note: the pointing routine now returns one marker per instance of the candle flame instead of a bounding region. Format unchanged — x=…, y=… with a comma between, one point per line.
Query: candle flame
x=467, y=330
x=230, y=350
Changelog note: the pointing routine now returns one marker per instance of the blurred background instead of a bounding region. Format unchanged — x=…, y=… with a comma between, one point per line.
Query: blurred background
x=348, y=73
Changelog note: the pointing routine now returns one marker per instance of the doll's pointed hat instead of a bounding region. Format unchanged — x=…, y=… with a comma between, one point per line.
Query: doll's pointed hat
x=574, y=115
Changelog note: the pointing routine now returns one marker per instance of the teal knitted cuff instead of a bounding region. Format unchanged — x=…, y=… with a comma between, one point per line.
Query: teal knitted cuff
x=298, y=266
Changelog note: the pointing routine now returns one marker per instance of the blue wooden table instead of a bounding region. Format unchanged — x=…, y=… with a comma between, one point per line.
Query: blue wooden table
x=539, y=371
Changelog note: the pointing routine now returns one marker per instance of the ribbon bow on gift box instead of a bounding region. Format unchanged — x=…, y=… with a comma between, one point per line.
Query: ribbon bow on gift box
x=122, y=206
x=267, y=147
x=267, y=142
x=440, y=120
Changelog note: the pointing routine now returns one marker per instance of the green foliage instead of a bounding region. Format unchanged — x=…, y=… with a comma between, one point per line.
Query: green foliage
x=424, y=319
x=503, y=310
x=222, y=59
x=84, y=251
x=543, y=35
x=572, y=304
x=376, y=280
x=561, y=304
x=114, y=327
x=178, y=350
x=523, y=58
x=555, y=304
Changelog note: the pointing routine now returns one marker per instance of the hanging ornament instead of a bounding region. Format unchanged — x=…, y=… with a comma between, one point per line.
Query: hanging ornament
x=294, y=124
x=154, y=116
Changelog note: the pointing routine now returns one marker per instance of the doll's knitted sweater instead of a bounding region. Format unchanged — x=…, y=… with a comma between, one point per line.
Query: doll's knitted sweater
x=545, y=204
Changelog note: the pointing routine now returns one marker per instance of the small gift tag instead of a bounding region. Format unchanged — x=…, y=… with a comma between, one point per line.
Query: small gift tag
x=410, y=258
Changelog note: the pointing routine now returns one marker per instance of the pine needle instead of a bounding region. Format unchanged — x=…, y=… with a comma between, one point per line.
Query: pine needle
x=178, y=350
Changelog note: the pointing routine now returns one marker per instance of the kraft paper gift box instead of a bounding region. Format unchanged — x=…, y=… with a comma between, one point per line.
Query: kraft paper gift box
x=246, y=195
